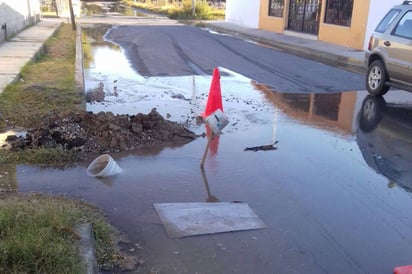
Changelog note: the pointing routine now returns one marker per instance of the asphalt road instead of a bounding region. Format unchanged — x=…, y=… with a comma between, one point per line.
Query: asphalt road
x=174, y=50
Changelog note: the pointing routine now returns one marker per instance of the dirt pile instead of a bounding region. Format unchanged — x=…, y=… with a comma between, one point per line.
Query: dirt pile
x=103, y=132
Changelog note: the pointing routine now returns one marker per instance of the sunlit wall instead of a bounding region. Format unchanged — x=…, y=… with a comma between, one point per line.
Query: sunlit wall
x=243, y=12
x=16, y=15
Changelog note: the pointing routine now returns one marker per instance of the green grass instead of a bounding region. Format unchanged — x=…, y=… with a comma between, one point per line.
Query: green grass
x=181, y=11
x=47, y=84
x=37, y=235
x=40, y=156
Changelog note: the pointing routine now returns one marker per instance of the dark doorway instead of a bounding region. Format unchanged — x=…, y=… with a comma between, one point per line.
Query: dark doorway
x=304, y=16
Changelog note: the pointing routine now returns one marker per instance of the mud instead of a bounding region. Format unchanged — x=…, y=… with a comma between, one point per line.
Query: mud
x=102, y=132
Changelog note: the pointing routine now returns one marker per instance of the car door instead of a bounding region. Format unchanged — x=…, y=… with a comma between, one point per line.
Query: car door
x=399, y=50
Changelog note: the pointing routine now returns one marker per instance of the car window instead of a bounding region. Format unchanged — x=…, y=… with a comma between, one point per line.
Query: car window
x=404, y=27
x=387, y=20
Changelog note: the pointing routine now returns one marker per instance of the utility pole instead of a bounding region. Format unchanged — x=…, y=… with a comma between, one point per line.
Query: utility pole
x=193, y=8
x=72, y=15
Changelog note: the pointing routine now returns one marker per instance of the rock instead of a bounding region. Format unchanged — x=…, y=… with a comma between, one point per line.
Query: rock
x=114, y=127
x=11, y=138
x=96, y=94
x=137, y=127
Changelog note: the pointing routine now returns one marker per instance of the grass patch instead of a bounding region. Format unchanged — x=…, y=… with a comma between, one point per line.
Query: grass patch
x=37, y=235
x=47, y=84
x=40, y=157
x=181, y=11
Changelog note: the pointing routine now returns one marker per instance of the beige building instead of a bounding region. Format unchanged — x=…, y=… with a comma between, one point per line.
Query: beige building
x=342, y=22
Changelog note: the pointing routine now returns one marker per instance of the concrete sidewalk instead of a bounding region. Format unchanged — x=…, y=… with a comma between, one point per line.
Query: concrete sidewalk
x=298, y=44
x=21, y=48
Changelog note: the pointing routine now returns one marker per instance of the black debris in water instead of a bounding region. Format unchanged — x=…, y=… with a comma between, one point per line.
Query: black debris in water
x=262, y=148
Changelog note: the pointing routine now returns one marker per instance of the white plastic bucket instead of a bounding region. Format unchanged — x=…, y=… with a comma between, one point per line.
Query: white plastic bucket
x=217, y=121
x=103, y=166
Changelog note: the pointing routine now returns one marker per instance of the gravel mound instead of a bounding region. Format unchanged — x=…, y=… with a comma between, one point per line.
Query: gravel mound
x=103, y=132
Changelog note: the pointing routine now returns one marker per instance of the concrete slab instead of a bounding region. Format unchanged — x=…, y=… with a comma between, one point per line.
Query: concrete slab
x=87, y=248
x=21, y=48
x=6, y=79
x=190, y=219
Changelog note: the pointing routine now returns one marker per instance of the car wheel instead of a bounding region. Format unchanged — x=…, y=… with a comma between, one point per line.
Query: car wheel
x=371, y=112
x=376, y=78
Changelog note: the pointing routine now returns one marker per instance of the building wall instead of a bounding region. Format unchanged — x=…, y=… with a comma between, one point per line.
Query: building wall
x=352, y=36
x=243, y=12
x=17, y=15
x=271, y=23
x=365, y=17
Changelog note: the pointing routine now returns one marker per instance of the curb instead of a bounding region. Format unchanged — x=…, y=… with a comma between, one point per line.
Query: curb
x=79, y=69
x=87, y=248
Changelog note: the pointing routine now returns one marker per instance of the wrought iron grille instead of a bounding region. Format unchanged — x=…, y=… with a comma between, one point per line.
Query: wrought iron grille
x=339, y=12
x=276, y=8
x=304, y=16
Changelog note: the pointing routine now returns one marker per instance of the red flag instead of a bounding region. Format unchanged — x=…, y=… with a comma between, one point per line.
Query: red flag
x=214, y=100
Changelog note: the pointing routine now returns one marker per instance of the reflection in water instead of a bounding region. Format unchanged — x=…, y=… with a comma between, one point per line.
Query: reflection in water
x=384, y=137
x=210, y=198
x=332, y=111
x=93, y=39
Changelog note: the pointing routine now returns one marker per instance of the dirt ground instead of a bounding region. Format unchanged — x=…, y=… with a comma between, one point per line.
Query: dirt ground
x=102, y=132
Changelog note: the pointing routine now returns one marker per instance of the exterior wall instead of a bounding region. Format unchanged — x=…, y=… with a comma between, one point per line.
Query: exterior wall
x=365, y=17
x=352, y=36
x=18, y=15
x=243, y=12
x=270, y=23
x=64, y=10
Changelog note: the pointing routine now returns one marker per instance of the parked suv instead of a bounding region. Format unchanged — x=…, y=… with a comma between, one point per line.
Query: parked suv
x=389, y=55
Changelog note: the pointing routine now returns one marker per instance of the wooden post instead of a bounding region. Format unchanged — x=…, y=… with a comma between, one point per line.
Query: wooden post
x=206, y=150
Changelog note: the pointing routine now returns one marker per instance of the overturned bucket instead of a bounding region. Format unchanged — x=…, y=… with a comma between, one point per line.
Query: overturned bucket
x=103, y=166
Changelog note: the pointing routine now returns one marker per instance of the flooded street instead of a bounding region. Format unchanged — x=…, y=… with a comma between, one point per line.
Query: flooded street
x=326, y=208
